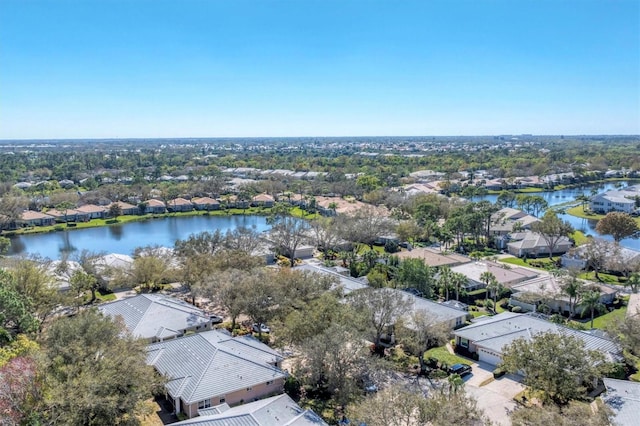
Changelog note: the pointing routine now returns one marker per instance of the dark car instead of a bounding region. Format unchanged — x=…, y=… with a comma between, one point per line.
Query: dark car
x=215, y=319
x=460, y=369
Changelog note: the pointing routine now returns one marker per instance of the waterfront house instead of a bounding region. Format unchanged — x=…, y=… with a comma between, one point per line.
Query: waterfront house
x=125, y=208
x=179, y=205
x=154, y=206
x=92, y=211
x=34, y=218
x=68, y=215
x=264, y=200
x=206, y=203
x=532, y=244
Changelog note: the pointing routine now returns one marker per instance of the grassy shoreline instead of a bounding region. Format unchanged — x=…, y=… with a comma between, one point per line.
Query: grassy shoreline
x=96, y=223
x=578, y=212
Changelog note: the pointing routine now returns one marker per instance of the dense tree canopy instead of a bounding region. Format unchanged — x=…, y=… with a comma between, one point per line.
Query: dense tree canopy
x=618, y=225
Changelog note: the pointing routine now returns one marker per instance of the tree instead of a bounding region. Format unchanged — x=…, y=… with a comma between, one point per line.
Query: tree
x=618, y=225
x=380, y=310
x=552, y=229
x=96, y=372
x=81, y=281
x=506, y=199
x=555, y=364
x=458, y=281
x=5, y=245
x=288, y=233
x=415, y=273
x=420, y=333
x=489, y=280
x=148, y=271
x=365, y=226
x=32, y=280
x=634, y=282
x=115, y=211
x=21, y=392
x=204, y=243
x=397, y=406
x=597, y=252
x=572, y=287
x=573, y=414
x=15, y=316
x=591, y=302
x=445, y=281
x=326, y=233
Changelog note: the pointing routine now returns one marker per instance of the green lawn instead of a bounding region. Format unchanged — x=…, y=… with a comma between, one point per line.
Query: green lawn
x=605, y=278
x=579, y=238
x=603, y=321
x=442, y=354
x=578, y=212
x=520, y=262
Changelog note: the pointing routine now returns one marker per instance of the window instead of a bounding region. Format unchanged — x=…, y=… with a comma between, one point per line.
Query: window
x=270, y=382
x=464, y=343
x=204, y=404
x=222, y=399
x=249, y=389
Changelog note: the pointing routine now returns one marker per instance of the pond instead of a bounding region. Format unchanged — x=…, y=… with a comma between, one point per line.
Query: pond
x=127, y=237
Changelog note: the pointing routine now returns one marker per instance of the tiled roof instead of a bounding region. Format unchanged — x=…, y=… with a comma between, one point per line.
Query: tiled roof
x=91, y=208
x=205, y=200
x=152, y=202
x=154, y=316
x=33, y=215
x=180, y=202
x=206, y=365
x=432, y=258
x=278, y=410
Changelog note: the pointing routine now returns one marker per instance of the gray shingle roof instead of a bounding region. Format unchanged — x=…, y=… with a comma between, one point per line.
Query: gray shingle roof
x=498, y=331
x=279, y=410
x=155, y=316
x=348, y=284
x=211, y=363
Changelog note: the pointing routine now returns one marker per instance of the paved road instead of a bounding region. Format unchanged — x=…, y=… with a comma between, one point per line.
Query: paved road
x=496, y=397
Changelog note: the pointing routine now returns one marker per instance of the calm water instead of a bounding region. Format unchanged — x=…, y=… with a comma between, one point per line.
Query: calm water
x=127, y=237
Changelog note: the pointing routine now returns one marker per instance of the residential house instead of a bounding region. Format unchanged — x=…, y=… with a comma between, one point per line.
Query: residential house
x=625, y=200
x=125, y=208
x=345, y=282
x=68, y=215
x=433, y=257
x=212, y=368
x=508, y=220
x=206, y=203
x=156, y=317
x=34, y=218
x=547, y=290
x=506, y=276
x=617, y=258
x=623, y=398
x=179, y=205
x=278, y=410
x=92, y=211
x=154, y=206
x=264, y=200
x=532, y=244
x=488, y=337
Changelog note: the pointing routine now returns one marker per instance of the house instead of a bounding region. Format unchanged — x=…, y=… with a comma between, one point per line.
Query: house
x=33, y=218
x=206, y=203
x=547, y=290
x=212, y=368
x=154, y=206
x=92, y=211
x=125, y=208
x=488, y=337
x=156, y=318
x=623, y=398
x=346, y=282
x=508, y=220
x=264, y=200
x=451, y=316
x=433, y=258
x=532, y=244
x=506, y=276
x=68, y=215
x=278, y=410
x=179, y=205
x=623, y=200
x=618, y=259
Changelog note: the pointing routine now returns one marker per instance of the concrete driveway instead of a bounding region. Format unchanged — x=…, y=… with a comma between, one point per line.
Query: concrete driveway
x=495, y=397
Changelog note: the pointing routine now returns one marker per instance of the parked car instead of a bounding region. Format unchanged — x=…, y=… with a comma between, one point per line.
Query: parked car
x=460, y=369
x=215, y=319
x=261, y=328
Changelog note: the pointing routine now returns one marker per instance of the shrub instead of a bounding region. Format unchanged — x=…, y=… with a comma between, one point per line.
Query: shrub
x=391, y=247
x=59, y=228
x=475, y=356
x=517, y=309
x=498, y=372
x=480, y=303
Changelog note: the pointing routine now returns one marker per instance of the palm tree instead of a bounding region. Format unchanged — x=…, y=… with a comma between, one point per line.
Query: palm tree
x=444, y=280
x=584, y=199
x=591, y=301
x=572, y=287
x=496, y=288
x=458, y=281
x=634, y=281
x=487, y=278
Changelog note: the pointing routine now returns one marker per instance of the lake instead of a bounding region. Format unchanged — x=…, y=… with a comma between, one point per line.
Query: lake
x=127, y=237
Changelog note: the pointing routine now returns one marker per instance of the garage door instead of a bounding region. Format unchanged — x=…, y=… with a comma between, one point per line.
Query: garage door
x=488, y=356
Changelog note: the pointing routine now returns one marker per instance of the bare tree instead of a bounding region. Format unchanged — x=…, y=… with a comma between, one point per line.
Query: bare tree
x=288, y=233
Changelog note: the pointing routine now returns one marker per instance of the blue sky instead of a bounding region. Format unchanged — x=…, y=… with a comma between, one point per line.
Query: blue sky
x=196, y=68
